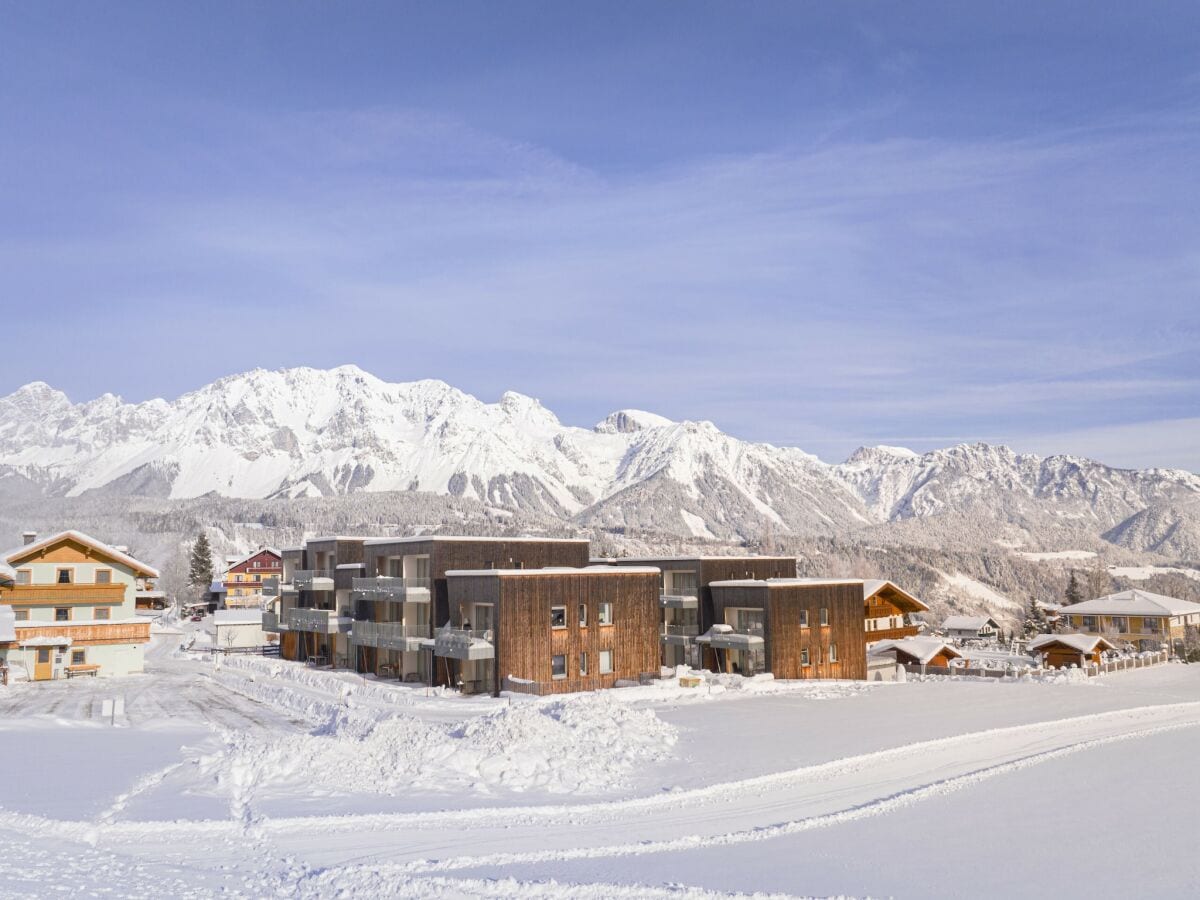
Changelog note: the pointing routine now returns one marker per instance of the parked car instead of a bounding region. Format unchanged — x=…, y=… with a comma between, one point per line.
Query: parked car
x=197, y=618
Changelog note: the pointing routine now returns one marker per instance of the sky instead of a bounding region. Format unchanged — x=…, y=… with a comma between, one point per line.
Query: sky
x=817, y=224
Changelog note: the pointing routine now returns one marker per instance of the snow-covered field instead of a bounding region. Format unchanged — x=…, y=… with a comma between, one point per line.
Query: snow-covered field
x=263, y=778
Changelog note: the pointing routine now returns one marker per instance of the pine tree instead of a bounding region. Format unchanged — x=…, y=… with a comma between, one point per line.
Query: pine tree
x=1074, y=593
x=1034, y=621
x=200, y=571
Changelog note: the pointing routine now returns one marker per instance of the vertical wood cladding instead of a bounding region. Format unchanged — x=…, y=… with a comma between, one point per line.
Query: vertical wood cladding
x=481, y=553
x=526, y=642
x=784, y=636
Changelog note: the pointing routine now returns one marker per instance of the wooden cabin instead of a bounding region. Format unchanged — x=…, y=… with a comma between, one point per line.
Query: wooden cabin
x=686, y=596
x=1061, y=651
x=792, y=627
x=918, y=651
x=550, y=630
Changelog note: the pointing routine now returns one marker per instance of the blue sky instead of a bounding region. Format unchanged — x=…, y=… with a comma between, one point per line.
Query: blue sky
x=815, y=224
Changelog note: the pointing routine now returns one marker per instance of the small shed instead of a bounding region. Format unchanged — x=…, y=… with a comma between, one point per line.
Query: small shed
x=237, y=629
x=1061, y=651
x=921, y=651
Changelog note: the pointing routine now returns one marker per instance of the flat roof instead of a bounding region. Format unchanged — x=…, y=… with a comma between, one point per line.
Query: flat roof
x=560, y=570
x=783, y=582
x=418, y=538
x=617, y=560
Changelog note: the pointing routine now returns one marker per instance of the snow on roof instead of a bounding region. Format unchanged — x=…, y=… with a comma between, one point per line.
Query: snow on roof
x=8, y=574
x=44, y=641
x=418, y=538
x=1132, y=603
x=783, y=582
x=350, y=566
x=26, y=549
x=561, y=570
x=922, y=649
x=237, y=617
x=873, y=586
x=968, y=623
x=1084, y=643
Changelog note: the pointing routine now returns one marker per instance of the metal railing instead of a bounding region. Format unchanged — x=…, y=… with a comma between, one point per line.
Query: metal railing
x=692, y=630
x=322, y=621
x=270, y=622
x=386, y=588
x=387, y=634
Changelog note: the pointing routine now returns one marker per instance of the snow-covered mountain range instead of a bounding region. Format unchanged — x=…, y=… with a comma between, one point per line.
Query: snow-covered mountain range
x=308, y=432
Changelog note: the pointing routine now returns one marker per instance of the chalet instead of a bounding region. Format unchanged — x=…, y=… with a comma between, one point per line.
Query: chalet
x=791, y=627
x=686, y=596
x=1145, y=620
x=1061, y=651
x=971, y=628
x=917, y=651
x=243, y=580
x=74, y=608
x=890, y=611
x=548, y=630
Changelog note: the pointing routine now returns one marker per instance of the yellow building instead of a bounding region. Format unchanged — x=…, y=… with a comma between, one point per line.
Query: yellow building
x=1145, y=620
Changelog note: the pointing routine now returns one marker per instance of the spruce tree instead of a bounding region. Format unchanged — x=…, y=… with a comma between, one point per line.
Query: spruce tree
x=200, y=570
x=1034, y=623
x=1074, y=593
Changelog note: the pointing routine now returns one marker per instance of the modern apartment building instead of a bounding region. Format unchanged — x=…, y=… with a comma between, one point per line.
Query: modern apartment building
x=549, y=630
x=310, y=606
x=73, y=602
x=792, y=627
x=686, y=598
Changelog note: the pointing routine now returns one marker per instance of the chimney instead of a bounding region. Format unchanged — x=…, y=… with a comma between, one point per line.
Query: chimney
x=28, y=537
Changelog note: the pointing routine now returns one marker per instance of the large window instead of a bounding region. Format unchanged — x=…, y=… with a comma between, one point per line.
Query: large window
x=804, y=656
x=64, y=576
x=558, y=666
x=558, y=617
x=102, y=613
x=104, y=576
x=583, y=615
x=606, y=662
x=78, y=657
x=62, y=614
x=22, y=615
x=804, y=618
x=606, y=614
x=833, y=653
x=824, y=616
x=24, y=576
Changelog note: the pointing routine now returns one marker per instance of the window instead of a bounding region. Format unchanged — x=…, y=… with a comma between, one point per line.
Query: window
x=1089, y=623
x=62, y=614
x=64, y=576
x=583, y=615
x=102, y=613
x=606, y=661
x=558, y=617
x=824, y=616
x=24, y=576
x=804, y=618
x=488, y=564
x=78, y=657
x=104, y=576
x=582, y=663
x=558, y=667
x=804, y=656
x=22, y=615
x=833, y=653
x=605, y=617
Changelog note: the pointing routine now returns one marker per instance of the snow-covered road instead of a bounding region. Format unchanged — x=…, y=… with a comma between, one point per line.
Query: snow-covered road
x=209, y=815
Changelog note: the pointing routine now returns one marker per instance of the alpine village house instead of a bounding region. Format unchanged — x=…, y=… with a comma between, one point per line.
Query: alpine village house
x=70, y=604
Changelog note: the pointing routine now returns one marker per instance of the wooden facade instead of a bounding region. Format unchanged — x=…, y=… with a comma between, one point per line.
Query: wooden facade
x=526, y=642
x=792, y=618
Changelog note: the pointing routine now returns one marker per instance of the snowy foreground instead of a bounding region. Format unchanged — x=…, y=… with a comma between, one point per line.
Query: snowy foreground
x=262, y=778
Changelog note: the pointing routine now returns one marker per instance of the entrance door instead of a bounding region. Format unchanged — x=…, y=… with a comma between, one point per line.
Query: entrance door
x=43, y=670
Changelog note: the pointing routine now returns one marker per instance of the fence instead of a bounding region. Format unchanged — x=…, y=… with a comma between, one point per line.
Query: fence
x=567, y=685
x=1091, y=670
x=264, y=650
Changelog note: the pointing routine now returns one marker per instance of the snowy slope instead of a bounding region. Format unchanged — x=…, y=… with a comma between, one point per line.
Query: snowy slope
x=309, y=432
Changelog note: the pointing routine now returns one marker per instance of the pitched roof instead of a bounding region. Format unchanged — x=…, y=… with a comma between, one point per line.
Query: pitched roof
x=20, y=553
x=1132, y=603
x=782, y=582
x=1084, y=643
x=873, y=586
x=968, y=623
x=8, y=574
x=922, y=649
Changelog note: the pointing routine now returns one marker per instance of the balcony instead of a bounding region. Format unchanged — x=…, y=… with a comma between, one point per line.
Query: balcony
x=459, y=643
x=389, y=635
x=313, y=580
x=270, y=587
x=319, y=621
x=678, y=601
x=270, y=622
x=682, y=635
x=723, y=637
x=386, y=589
